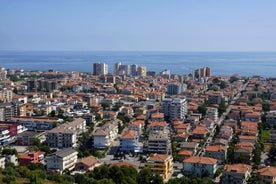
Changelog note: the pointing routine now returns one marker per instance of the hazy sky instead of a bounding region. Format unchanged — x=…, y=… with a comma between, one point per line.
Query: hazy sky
x=146, y=25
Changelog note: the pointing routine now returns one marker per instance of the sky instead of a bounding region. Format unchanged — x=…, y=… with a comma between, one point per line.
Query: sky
x=138, y=25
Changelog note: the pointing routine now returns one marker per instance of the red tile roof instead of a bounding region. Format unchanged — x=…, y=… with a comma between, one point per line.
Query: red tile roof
x=201, y=160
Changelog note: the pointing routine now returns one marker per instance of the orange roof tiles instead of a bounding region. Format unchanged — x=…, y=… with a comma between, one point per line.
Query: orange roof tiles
x=216, y=148
x=158, y=157
x=267, y=171
x=238, y=168
x=201, y=160
x=129, y=134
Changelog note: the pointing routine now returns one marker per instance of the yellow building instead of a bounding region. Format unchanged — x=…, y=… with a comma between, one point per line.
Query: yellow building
x=160, y=164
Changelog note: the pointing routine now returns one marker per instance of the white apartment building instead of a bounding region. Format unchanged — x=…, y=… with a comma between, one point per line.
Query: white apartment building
x=105, y=135
x=212, y=113
x=174, y=108
x=62, y=159
x=66, y=134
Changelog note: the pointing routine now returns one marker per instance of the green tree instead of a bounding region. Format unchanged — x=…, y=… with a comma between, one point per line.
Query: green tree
x=202, y=109
x=144, y=176
x=222, y=107
x=9, y=151
x=272, y=152
x=8, y=179
x=115, y=174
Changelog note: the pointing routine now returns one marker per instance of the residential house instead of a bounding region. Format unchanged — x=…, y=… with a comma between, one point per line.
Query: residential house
x=243, y=150
x=249, y=128
x=199, y=132
x=160, y=164
x=200, y=166
x=207, y=122
x=267, y=175
x=183, y=154
x=189, y=146
x=246, y=138
x=236, y=173
x=31, y=158
x=232, y=123
x=87, y=164
x=62, y=159
x=216, y=151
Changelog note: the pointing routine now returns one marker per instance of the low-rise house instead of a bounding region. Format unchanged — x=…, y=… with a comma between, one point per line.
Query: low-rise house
x=129, y=141
x=245, y=138
x=199, y=132
x=220, y=141
x=253, y=116
x=232, y=123
x=160, y=164
x=181, y=137
x=207, y=122
x=62, y=159
x=182, y=128
x=200, y=166
x=105, y=135
x=87, y=164
x=249, y=128
x=236, y=173
x=267, y=175
x=189, y=146
x=157, y=116
x=216, y=151
x=31, y=158
x=184, y=154
x=243, y=151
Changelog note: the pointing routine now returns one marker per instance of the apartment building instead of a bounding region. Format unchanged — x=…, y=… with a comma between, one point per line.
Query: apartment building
x=174, y=108
x=8, y=132
x=36, y=123
x=159, y=142
x=62, y=159
x=105, y=135
x=160, y=164
x=129, y=141
x=66, y=134
x=212, y=113
x=200, y=166
x=100, y=69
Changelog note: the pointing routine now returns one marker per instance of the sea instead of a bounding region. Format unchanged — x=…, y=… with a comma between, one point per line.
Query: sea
x=221, y=63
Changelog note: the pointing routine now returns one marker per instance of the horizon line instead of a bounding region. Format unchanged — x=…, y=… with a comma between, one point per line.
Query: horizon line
x=129, y=51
